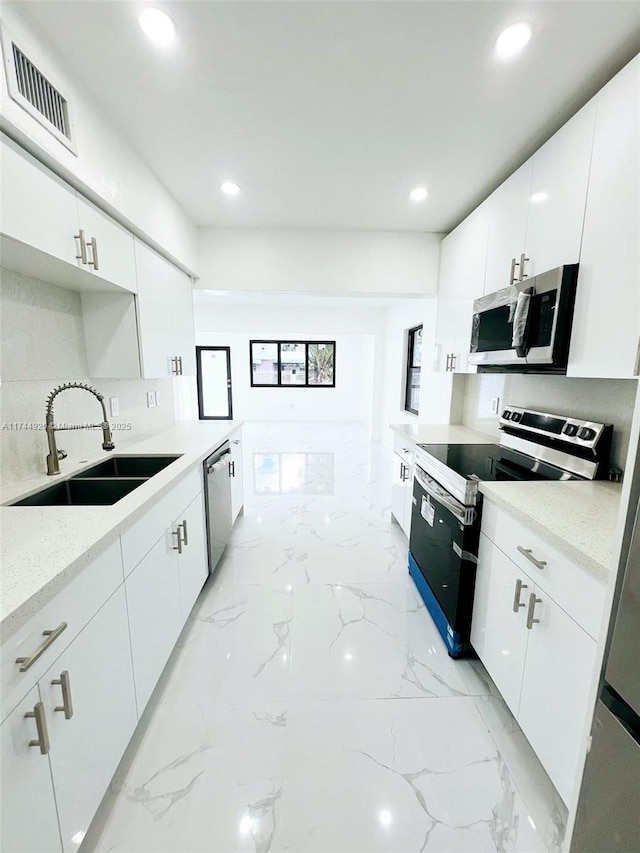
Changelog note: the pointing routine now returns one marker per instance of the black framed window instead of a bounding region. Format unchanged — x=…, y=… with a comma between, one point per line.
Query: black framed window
x=293, y=364
x=414, y=357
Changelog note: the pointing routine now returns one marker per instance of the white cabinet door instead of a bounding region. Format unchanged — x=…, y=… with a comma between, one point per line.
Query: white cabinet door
x=237, y=479
x=37, y=208
x=557, y=681
x=87, y=746
x=606, y=325
x=508, y=208
x=192, y=560
x=453, y=335
x=110, y=253
x=153, y=601
x=559, y=179
x=154, y=313
x=181, y=301
x=398, y=491
x=29, y=823
x=463, y=257
x=498, y=633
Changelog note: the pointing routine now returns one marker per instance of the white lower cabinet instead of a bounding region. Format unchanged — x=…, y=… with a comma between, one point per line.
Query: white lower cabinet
x=192, y=556
x=90, y=709
x=400, y=483
x=29, y=823
x=153, y=600
x=539, y=657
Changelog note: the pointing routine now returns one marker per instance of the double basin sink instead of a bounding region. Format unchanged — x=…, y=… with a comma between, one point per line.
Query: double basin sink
x=101, y=485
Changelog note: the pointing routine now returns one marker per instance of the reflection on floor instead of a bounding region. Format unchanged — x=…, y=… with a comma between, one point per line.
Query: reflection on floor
x=311, y=705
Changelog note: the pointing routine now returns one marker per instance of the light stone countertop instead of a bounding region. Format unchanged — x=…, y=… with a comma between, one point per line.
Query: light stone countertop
x=442, y=434
x=44, y=548
x=578, y=518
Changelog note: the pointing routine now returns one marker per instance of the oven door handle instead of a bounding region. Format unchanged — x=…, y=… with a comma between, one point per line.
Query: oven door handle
x=465, y=515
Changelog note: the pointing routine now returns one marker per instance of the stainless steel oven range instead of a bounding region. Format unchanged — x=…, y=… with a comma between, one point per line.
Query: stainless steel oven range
x=445, y=519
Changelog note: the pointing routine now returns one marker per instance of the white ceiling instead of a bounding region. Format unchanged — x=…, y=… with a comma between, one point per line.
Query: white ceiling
x=328, y=113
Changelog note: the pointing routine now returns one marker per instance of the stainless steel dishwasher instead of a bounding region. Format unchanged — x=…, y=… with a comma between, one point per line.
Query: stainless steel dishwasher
x=218, y=503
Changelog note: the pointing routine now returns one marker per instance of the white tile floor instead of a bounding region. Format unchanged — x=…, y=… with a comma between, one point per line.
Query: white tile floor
x=310, y=704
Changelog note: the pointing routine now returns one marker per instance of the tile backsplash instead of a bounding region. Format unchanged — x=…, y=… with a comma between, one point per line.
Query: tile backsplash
x=603, y=400
x=43, y=346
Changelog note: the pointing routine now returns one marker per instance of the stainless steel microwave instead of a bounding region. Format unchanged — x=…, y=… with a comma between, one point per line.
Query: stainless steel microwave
x=525, y=328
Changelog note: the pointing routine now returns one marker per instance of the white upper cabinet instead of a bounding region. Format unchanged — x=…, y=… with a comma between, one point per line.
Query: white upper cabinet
x=606, y=326
x=184, y=338
x=508, y=211
x=108, y=246
x=154, y=313
x=463, y=256
x=559, y=179
x=38, y=209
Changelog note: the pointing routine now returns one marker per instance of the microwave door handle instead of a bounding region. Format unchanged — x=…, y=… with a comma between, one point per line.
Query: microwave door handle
x=454, y=508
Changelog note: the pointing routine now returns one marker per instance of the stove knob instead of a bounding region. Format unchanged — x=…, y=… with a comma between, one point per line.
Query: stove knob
x=570, y=430
x=506, y=414
x=516, y=417
x=586, y=434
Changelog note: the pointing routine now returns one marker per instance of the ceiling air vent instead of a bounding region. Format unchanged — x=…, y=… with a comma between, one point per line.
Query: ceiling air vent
x=29, y=87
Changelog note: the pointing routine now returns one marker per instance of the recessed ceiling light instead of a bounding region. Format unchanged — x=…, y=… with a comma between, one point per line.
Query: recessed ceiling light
x=157, y=26
x=418, y=194
x=229, y=188
x=512, y=40
x=537, y=198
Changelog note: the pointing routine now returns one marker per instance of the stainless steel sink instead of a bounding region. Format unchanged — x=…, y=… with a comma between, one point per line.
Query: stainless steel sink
x=128, y=466
x=79, y=491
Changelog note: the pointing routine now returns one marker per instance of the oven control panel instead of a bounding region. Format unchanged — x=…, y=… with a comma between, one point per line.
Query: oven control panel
x=573, y=431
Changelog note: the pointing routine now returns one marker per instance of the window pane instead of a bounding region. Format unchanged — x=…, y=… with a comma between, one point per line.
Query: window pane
x=416, y=349
x=215, y=376
x=264, y=363
x=321, y=364
x=413, y=390
x=293, y=369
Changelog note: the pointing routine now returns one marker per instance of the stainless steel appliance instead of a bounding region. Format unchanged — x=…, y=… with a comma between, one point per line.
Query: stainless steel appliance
x=445, y=519
x=218, y=503
x=525, y=328
x=608, y=815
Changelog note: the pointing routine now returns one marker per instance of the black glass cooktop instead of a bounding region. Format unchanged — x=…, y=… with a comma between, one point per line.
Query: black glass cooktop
x=492, y=462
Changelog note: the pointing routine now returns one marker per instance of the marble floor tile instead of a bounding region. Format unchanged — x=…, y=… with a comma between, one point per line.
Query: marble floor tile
x=310, y=705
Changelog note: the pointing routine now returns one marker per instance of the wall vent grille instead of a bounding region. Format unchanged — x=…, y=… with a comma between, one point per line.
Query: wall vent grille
x=41, y=94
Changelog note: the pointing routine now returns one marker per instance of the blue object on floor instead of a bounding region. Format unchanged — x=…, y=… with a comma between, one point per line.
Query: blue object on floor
x=451, y=638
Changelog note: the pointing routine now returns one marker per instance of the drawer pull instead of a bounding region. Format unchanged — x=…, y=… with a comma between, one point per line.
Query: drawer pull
x=93, y=243
x=517, y=604
x=51, y=637
x=83, y=246
x=533, y=600
x=526, y=552
x=41, y=726
x=67, y=701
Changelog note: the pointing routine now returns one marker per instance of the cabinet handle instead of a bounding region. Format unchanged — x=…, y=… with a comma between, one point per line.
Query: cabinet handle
x=446, y=370
x=232, y=468
x=176, y=533
x=512, y=274
x=52, y=636
x=183, y=525
x=523, y=261
x=180, y=364
x=94, y=254
x=83, y=246
x=517, y=604
x=41, y=726
x=526, y=552
x=67, y=701
x=453, y=361
x=533, y=600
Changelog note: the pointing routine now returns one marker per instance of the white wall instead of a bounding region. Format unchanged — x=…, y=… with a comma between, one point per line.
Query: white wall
x=106, y=168
x=332, y=262
x=43, y=346
x=357, y=331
